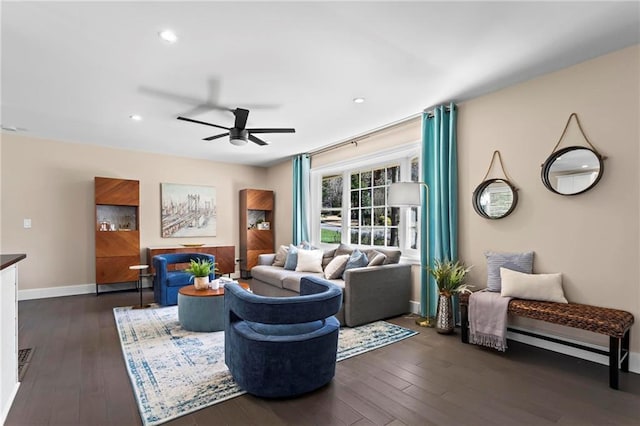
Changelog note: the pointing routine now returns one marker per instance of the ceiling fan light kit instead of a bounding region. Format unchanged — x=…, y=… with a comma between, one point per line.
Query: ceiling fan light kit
x=238, y=137
x=238, y=134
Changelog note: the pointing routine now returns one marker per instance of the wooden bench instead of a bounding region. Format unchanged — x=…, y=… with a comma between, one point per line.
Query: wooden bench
x=611, y=322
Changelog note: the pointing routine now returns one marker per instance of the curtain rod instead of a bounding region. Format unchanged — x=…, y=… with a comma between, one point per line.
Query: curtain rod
x=354, y=140
x=429, y=111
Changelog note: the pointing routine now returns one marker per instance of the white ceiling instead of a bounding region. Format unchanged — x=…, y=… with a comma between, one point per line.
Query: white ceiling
x=75, y=71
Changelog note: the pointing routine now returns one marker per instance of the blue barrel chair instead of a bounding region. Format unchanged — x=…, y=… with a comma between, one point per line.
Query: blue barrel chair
x=278, y=347
x=166, y=282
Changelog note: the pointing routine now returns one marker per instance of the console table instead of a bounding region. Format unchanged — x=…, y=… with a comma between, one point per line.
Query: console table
x=225, y=256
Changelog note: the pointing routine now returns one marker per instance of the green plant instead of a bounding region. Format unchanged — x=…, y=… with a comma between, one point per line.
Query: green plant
x=201, y=268
x=449, y=276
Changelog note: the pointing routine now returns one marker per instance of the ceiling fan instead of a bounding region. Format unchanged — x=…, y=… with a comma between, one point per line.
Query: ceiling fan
x=239, y=134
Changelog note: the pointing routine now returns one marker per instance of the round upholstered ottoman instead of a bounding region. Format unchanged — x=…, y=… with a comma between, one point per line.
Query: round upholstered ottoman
x=201, y=310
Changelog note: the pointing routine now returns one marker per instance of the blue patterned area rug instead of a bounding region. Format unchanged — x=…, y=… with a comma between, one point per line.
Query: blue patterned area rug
x=175, y=372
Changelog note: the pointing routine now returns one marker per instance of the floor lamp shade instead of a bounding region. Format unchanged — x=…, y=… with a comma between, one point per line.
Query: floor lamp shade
x=404, y=194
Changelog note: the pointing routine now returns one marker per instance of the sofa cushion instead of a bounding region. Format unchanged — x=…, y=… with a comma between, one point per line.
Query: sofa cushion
x=356, y=260
x=327, y=257
x=291, y=280
x=343, y=249
x=178, y=278
x=393, y=255
x=272, y=275
x=306, y=245
x=309, y=261
x=292, y=258
x=281, y=256
x=376, y=258
x=335, y=268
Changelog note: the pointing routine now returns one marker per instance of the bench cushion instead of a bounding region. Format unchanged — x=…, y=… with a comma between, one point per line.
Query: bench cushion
x=611, y=322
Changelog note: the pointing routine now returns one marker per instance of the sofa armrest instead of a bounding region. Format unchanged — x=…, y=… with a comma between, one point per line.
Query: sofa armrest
x=376, y=292
x=266, y=259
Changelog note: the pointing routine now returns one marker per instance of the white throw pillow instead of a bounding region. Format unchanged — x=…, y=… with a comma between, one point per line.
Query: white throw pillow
x=309, y=261
x=335, y=268
x=543, y=287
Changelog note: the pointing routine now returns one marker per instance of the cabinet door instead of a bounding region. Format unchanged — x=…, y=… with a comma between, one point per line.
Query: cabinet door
x=118, y=243
x=260, y=239
x=259, y=200
x=116, y=269
x=121, y=192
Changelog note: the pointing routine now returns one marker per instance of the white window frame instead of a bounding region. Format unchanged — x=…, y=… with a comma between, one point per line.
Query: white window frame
x=401, y=155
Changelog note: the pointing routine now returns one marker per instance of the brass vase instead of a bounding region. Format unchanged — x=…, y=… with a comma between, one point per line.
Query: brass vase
x=444, y=317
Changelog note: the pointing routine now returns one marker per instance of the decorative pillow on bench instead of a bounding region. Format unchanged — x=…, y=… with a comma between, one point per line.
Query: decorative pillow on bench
x=543, y=287
x=521, y=262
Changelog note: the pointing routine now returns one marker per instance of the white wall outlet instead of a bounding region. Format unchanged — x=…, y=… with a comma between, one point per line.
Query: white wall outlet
x=27, y=223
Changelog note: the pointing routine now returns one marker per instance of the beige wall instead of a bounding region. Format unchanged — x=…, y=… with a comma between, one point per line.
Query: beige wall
x=52, y=184
x=592, y=238
x=280, y=178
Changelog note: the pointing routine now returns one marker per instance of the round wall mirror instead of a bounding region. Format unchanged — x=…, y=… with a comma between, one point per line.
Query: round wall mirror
x=495, y=198
x=572, y=170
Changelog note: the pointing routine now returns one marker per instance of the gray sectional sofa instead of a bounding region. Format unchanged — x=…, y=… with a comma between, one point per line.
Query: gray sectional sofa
x=370, y=293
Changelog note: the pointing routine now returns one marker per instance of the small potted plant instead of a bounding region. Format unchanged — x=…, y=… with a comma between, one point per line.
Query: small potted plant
x=200, y=269
x=449, y=277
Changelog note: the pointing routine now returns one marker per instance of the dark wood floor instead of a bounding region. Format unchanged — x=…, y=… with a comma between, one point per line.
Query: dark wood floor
x=77, y=377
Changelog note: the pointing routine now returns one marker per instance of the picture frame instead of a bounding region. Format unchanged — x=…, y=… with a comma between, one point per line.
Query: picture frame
x=187, y=210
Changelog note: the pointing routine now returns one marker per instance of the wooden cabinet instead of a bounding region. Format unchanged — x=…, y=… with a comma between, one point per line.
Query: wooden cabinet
x=225, y=256
x=256, y=227
x=117, y=230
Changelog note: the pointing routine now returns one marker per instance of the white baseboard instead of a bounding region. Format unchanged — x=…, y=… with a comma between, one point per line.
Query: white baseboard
x=72, y=290
x=8, y=404
x=634, y=358
x=414, y=307
x=75, y=290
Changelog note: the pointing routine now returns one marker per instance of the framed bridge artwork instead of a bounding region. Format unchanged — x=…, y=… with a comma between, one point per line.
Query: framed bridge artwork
x=187, y=210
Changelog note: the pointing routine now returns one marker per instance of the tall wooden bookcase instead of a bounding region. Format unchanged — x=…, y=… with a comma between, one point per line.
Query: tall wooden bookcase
x=117, y=204
x=256, y=210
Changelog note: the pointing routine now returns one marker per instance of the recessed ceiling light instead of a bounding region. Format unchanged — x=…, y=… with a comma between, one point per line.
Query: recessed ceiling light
x=358, y=100
x=168, y=36
x=135, y=117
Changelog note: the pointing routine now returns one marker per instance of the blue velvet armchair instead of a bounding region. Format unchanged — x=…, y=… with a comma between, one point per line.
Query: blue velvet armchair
x=167, y=283
x=279, y=347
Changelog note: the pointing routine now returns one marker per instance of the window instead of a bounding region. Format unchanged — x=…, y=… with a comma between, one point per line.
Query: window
x=373, y=223
x=331, y=212
x=350, y=202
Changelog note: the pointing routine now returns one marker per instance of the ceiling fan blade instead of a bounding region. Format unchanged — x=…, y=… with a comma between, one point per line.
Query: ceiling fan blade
x=257, y=140
x=274, y=130
x=202, y=122
x=199, y=109
x=210, y=138
x=241, y=117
